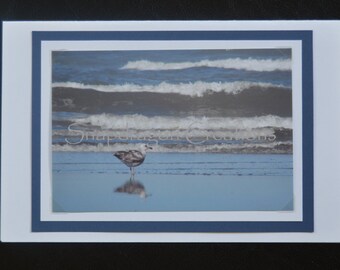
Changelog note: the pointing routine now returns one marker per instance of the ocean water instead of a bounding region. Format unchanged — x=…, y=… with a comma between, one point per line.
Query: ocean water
x=219, y=123
x=98, y=182
x=176, y=66
x=235, y=101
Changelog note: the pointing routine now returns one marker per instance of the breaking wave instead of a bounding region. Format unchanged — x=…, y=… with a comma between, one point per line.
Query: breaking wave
x=197, y=88
x=231, y=63
x=141, y=122
x=108, y=121
x=273, y=147
x=171, y=134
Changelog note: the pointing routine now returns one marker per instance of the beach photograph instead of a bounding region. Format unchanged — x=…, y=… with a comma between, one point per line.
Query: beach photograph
x=172, y=130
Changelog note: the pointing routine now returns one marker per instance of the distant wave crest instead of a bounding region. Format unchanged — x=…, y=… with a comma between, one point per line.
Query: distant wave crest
x=231, y=63
x=197, y=88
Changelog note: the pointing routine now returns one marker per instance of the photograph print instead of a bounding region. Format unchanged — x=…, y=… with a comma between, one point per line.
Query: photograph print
x=172, y=130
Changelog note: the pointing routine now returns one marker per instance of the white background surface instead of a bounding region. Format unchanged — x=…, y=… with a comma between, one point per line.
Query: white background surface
x=16, y=133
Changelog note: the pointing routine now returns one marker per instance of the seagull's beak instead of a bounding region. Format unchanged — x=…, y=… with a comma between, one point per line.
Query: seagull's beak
x=149, y=147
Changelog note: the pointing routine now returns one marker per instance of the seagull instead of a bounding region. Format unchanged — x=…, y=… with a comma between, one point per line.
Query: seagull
x=133, y=158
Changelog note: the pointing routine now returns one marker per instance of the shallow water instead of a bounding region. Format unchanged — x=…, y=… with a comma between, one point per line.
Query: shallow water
x=87, y=182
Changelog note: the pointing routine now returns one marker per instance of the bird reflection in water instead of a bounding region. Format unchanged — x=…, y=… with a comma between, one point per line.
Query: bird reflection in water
x=133, y=187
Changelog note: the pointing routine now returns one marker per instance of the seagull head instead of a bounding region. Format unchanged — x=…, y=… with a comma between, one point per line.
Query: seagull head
x=145, y=147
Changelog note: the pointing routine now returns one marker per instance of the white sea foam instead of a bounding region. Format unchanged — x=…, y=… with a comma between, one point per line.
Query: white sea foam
x=228, y=148
x=197, y=88
x=231, y=63
x=141, y=122
x=159, y=135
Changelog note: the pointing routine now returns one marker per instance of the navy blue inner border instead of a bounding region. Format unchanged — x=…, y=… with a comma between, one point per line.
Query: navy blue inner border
x=306, y=225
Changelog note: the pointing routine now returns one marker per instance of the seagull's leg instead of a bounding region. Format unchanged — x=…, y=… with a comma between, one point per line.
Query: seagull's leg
x=133, y=172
